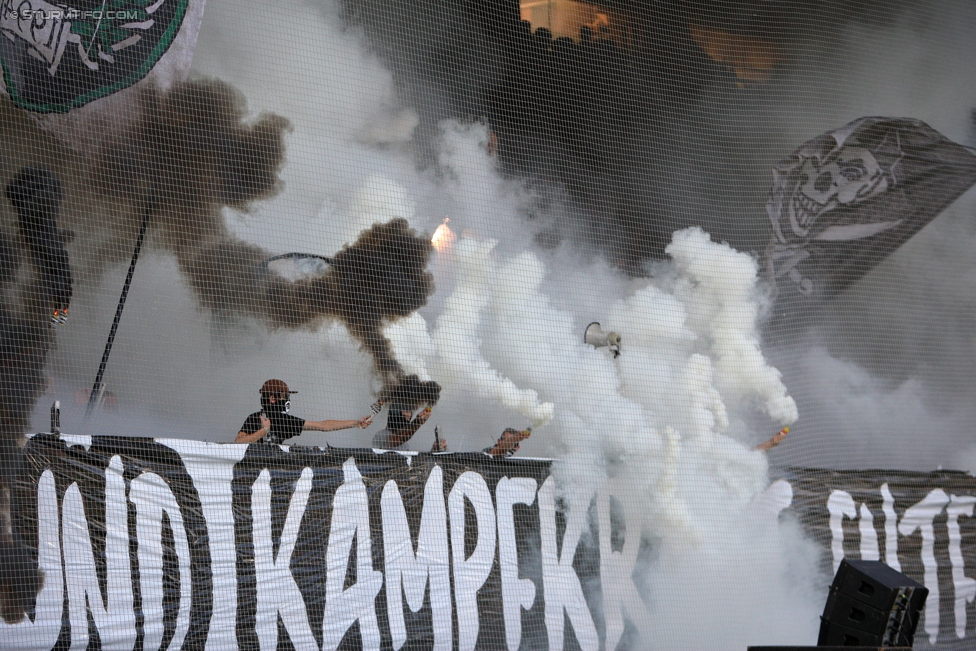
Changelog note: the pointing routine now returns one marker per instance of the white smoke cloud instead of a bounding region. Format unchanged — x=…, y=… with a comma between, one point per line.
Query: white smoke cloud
x=718, y=284
x=664, y=422
x=412, y=344
x=457, y=336
x=379, y=199
x=652, y=420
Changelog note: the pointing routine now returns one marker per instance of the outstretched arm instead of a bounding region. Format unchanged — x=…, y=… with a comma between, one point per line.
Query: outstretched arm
x=334, y=425
x=401, y=436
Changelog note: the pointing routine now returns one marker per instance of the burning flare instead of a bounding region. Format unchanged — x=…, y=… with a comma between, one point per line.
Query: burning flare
x=443, y=237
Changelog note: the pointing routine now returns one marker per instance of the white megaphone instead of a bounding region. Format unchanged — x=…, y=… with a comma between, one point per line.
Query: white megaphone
x=596, y=337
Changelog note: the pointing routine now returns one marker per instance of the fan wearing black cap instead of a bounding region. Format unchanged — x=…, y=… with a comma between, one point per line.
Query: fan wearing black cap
x=273, y=424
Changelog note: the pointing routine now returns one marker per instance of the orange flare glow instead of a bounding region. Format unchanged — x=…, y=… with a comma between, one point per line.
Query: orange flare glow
x=443, y=237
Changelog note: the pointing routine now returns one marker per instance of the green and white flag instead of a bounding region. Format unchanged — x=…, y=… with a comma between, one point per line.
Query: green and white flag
x=58, y=57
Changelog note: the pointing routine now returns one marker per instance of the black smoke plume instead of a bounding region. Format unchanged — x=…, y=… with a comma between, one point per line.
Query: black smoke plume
x=379, y=278
x=191, y=150
x=413, y=392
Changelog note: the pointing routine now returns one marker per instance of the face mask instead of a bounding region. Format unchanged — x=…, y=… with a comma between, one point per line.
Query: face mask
x=278, y=407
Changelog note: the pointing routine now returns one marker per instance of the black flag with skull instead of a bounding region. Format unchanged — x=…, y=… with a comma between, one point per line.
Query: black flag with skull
x=847, y=199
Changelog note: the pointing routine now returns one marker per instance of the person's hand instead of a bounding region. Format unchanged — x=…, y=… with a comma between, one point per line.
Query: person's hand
x=265, y=422
x=365, y=422
x=440, y=445
x=521, y=435
x=424, y=415
x=515, y=436
x=773, y=442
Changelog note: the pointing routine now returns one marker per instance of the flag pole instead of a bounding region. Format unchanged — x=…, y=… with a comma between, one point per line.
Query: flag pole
x=98, y=387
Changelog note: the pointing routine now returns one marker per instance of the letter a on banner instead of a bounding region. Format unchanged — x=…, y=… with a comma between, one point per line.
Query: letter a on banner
x=350, y=521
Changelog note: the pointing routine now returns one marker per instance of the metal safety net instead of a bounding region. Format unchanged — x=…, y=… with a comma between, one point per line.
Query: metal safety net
x=355, y=324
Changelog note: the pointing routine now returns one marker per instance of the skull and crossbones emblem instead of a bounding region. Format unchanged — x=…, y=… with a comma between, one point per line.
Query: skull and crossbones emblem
x=850, y=176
